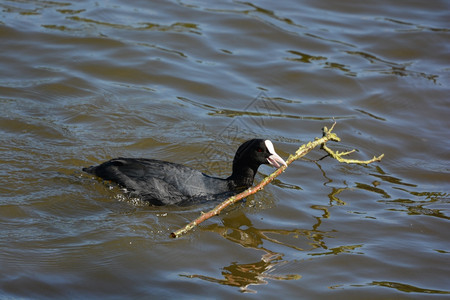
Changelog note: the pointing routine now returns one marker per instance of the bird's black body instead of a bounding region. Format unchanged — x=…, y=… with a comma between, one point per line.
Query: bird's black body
x=165, y=183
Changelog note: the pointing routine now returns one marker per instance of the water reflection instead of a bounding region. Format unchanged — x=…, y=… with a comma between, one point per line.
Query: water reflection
x=405, y=287
x=415, y=202
x=372, y=188
x=245, y=275
x=335, y=191
x=334, y=196
x=416, y=207
x=239, y=229
x=383, y=66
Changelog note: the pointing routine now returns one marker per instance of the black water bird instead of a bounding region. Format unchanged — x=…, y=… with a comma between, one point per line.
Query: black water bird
x=165, y=183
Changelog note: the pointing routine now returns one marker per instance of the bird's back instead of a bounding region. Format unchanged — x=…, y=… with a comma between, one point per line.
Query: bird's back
x=160, y=182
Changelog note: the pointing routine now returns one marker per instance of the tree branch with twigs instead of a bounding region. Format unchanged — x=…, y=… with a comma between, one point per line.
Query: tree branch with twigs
x=327, y=135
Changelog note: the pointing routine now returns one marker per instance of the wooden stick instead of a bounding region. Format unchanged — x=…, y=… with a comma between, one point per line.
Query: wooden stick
x=302, y=151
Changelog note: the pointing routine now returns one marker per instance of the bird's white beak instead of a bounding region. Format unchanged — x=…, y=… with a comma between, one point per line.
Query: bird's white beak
x=274, y=159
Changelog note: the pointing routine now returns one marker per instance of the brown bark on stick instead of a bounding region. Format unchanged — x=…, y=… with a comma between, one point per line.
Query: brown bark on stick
x=302, y=151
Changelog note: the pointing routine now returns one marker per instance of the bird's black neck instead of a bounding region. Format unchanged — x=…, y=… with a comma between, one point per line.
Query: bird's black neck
x=242, y=176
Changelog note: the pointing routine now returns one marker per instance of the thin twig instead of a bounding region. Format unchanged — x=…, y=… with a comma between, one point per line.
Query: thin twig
x=338, y=156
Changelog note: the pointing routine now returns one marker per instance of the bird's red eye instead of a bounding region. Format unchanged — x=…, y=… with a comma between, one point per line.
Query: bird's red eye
x=259, y=150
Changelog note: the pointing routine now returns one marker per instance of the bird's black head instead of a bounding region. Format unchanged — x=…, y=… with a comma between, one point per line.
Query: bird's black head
x=257, y=152
x=249, y=156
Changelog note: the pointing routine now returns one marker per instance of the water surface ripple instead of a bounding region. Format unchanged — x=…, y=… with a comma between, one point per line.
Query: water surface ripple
x=188, y=81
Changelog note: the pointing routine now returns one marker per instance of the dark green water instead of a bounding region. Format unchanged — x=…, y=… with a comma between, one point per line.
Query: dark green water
x=188, y=81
